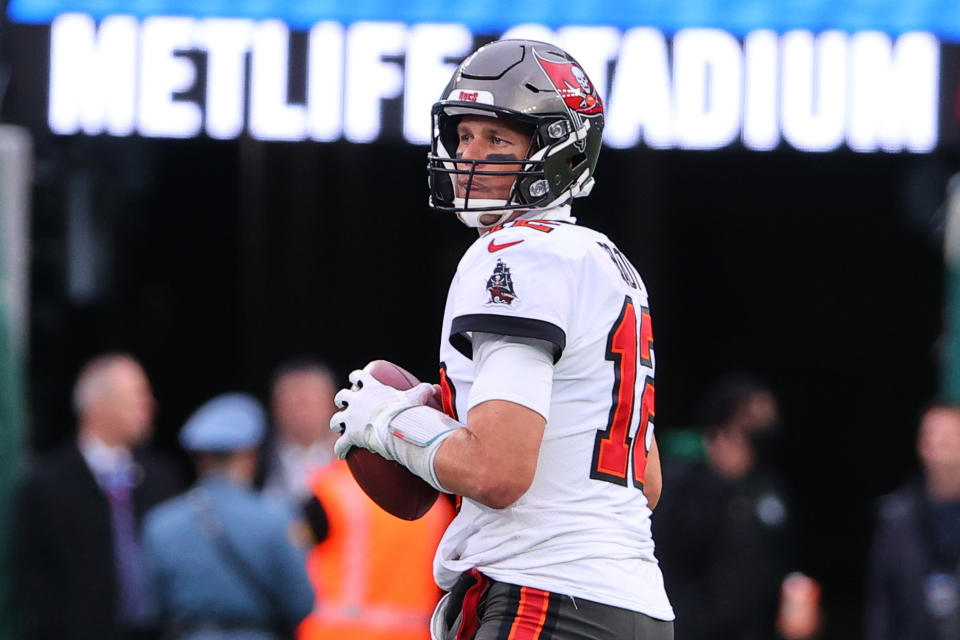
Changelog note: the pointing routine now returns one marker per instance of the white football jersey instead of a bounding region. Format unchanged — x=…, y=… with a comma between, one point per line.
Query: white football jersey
x=583, y=527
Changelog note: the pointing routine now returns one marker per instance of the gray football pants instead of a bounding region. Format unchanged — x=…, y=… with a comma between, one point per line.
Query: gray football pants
x=510, y=612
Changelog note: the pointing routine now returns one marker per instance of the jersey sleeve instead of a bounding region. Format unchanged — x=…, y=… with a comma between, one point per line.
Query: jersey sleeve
x=523, y=289
x=519, y=370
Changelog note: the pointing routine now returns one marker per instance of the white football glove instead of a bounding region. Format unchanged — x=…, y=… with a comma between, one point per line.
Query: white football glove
x=367, y=409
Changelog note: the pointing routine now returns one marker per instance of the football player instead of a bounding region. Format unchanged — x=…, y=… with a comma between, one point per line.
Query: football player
x=546, y=373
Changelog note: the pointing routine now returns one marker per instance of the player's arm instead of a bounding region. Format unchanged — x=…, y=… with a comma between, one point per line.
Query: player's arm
x=653, y=478
x=494, y=458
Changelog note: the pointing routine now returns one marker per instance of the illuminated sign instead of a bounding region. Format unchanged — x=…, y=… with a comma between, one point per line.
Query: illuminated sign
x=701, y=89
x=739, y=17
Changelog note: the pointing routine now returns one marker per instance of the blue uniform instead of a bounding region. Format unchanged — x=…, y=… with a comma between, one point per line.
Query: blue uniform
x=200, y=594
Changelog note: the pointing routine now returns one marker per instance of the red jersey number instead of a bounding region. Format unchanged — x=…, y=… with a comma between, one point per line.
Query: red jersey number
x=627, y=345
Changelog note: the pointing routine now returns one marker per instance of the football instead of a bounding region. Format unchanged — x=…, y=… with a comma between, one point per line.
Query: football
x=389, y=483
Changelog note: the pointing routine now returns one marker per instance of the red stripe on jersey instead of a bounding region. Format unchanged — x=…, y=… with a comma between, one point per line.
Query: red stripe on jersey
x=448, y=395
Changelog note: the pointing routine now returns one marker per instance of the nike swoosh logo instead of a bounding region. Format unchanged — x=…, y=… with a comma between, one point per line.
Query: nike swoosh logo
x=493, y=246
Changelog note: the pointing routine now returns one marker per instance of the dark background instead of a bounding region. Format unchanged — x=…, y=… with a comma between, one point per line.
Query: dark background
x=821, y=273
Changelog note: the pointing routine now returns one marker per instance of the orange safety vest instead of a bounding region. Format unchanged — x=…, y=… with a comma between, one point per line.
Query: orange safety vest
x=373, y=574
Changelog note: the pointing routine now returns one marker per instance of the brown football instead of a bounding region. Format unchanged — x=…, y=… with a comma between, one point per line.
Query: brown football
x=389, y=483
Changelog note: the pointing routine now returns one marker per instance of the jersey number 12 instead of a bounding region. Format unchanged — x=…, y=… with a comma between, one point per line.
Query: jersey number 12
x=614, y=449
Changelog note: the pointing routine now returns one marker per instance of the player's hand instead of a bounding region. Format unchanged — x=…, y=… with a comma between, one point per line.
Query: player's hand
x=366, y=411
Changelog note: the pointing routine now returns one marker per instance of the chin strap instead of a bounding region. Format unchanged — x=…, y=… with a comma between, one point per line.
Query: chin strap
x=472, y=218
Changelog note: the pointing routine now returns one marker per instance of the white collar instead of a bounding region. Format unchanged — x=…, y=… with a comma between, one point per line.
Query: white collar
x=103, y=459
x=294, y=450
x=562, y=212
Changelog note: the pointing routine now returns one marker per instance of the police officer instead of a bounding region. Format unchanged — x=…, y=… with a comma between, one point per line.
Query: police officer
x=221, y=560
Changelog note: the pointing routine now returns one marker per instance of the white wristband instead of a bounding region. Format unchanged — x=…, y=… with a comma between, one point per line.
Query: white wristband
x=415, y=436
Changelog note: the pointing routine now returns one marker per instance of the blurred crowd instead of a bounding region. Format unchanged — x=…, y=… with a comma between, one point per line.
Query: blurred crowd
x=275, y=540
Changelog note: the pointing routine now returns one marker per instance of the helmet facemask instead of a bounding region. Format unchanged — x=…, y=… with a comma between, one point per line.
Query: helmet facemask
x=546, y=157
x=448, y=170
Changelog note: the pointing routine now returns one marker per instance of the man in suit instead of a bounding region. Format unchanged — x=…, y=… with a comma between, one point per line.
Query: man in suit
x=913, y=577
x=301, y=404
x=80, y=572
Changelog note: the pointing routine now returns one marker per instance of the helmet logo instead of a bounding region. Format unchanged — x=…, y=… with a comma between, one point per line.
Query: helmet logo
x=572, y=84
x=468, y=96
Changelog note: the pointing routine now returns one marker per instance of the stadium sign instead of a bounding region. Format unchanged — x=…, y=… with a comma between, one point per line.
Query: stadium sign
x=181, y=77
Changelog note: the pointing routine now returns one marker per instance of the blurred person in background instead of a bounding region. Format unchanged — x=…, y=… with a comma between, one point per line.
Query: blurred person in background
x=372, y=572
x=222, y=561
x=364, y=589
x=914, y=570
x=723, y=530
x=78, y=561
x=301, y=403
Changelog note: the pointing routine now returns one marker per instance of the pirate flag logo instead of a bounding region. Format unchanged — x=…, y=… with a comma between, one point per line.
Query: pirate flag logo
x=573, y=85
x=500, y=285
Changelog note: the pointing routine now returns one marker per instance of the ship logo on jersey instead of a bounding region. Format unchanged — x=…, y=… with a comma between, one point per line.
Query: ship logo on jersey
x=500, y=285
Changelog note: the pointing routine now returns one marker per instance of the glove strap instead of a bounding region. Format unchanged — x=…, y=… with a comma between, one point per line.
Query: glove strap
x=416, y=435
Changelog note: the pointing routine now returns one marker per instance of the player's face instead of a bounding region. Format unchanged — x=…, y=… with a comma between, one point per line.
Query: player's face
x=486, y=138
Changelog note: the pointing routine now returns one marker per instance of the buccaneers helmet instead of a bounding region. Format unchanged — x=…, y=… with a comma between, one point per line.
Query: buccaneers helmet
x=534, y=84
